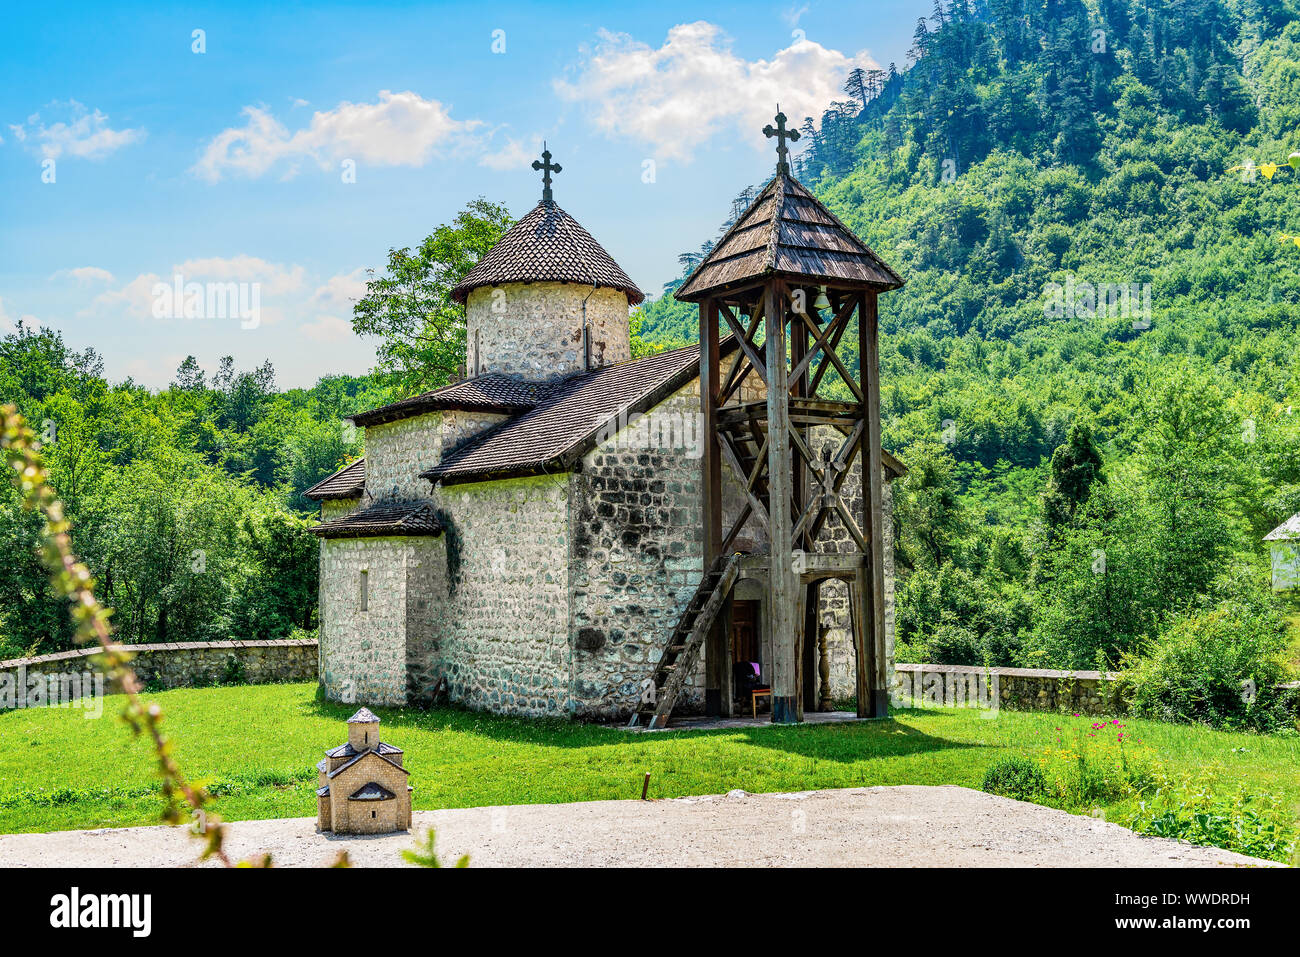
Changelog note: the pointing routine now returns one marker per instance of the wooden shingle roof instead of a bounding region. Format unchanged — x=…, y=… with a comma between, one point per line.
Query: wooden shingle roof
x=567, y=419
x=788, y=232
x=388, y=518
x=548, y=245
x=347, y=482
x=491, y=392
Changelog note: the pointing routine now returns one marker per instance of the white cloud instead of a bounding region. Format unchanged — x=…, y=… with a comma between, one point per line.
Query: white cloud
x=401, y=129
x=80, y=132
x=514, y=155
x=8, y=323
x=336, y=295
x=274, y=277
x=677, y=96
x=284, y=292
x=84, y=274
x=134, y=298
x=792, y=14
x=340, y=292
x=327, y=329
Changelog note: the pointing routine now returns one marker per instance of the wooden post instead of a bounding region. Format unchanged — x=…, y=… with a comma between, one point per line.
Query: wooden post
x=872, y=507
x=863, y=651
x=784, y=582
x=716, y=666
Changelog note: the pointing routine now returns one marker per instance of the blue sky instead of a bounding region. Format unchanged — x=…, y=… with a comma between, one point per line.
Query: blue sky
x=229, y=165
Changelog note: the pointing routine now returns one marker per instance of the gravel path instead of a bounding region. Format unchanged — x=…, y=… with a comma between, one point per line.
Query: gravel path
x=865, y=827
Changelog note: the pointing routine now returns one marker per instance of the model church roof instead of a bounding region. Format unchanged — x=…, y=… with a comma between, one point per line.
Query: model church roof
x=548, y=245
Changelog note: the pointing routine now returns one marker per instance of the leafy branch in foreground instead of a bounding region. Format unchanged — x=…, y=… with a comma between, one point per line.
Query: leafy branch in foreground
x=72, y=580
x=425, y=854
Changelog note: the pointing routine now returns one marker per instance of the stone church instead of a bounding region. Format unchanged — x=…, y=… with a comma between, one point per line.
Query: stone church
x=527, y=540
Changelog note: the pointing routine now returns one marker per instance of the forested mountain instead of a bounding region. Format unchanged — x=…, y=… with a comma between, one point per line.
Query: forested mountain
x=1031, y=154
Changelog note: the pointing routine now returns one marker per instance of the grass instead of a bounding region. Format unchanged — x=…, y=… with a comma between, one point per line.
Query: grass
x=256, y=748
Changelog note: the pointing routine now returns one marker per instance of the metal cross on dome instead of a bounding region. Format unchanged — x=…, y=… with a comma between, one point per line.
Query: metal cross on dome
x=547, y=168
x=781, y=134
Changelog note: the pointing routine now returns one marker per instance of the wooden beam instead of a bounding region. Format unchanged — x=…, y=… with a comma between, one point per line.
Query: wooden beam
x=863, y=655
x=749, y=348
x=733, y=460
x=783, y=600
x=873, y=500
x=732, y=383
x=715, y=652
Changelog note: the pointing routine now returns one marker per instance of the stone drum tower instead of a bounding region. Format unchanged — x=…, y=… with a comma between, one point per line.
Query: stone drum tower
x=547, y=300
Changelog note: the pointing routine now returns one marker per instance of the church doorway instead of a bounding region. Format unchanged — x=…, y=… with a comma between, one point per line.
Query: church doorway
x=747, y=651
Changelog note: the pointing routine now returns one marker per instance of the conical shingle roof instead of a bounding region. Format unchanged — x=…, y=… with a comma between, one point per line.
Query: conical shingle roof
x=787, y=231
x=548, y=245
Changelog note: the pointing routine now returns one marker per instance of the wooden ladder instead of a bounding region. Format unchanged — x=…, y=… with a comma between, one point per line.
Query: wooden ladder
x=683, y=648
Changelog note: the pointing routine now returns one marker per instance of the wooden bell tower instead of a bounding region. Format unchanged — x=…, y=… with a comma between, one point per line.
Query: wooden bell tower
x=789, y=281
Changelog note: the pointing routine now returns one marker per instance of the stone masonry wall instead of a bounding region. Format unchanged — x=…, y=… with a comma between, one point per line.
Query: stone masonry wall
x=534, y=330
x=363, y=652
x=190, y=664
x=332, y=508
x=498, y=614
x=396, y=454
x=638, y=552
x=1017, y=689
x=637, y=557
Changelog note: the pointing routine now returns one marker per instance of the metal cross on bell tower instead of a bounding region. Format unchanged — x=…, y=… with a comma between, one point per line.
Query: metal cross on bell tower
x=781, y=134
x=547, y=168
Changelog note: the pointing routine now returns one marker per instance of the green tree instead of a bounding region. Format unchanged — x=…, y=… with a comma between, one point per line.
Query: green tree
x=409, y=309
x=1076, y=467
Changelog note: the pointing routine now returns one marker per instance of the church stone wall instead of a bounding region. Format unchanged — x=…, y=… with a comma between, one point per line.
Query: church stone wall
x=332, y=508
x=637, y=559
x=638, y=553
x=496, y=624
x=534, y=330
x=396, y=454
x=363, y=653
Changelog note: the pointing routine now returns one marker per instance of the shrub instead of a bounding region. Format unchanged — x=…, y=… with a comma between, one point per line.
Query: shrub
x=1017, y=778
x=233, y=673
x=1220, y=667
x=1235, y=820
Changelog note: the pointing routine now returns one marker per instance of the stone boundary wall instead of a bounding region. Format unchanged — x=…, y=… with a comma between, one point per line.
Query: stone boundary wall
x=1018, y=689
x=190, y=664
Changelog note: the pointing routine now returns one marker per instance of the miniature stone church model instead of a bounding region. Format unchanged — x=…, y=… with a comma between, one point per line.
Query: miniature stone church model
x=571, y=531
x=362, y=784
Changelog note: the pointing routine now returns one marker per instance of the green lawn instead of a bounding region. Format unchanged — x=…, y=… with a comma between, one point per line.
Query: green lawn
x=256, y=749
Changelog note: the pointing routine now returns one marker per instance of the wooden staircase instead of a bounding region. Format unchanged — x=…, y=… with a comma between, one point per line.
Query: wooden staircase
x=683, y=648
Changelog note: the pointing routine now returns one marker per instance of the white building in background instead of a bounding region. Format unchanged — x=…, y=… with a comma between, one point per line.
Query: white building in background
x=1284, y=549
